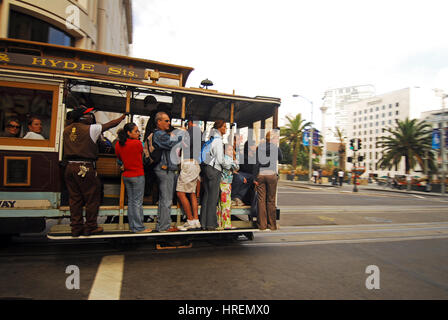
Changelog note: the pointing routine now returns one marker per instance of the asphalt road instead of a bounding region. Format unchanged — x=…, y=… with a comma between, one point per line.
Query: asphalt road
x=327, y=240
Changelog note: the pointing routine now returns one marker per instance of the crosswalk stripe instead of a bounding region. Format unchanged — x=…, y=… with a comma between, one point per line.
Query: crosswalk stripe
x=108, y=279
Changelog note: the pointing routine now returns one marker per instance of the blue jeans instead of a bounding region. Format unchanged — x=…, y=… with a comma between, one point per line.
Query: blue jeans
x=135, y=187
x=239, y=188
x=167, y=180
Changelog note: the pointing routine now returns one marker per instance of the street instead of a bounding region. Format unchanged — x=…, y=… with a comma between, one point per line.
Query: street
x=329, y=241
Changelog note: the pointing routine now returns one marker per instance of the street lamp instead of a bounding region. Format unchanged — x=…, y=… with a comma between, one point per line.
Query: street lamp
x=442, y=95
x=310, y=163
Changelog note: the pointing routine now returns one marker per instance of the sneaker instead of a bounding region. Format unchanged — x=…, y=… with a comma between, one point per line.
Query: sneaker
x=187, y=226
x=197, y=224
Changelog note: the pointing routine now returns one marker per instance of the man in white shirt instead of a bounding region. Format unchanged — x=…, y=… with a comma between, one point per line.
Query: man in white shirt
x=341, y=177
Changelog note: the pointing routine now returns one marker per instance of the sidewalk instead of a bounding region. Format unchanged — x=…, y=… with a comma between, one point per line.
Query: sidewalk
x=349, y=187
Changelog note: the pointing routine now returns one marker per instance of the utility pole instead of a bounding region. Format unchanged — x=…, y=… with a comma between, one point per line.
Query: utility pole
x=442, y=146
x=355, y=161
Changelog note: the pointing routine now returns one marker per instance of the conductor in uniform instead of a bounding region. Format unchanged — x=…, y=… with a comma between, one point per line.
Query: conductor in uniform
x=80, y=153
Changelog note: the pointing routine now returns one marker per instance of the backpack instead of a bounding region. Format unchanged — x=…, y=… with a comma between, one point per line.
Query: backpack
x=205, y=151
x=152, y=155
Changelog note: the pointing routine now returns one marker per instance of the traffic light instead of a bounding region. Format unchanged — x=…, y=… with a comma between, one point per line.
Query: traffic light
x=352, y=141
x=359, y=145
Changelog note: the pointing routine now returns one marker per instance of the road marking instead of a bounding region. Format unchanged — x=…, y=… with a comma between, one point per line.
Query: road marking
x=108, y=279
x=375, y=219
x=326, y=218
x=364, y=240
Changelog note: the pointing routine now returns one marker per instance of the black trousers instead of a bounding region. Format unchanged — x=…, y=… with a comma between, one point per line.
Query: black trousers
x=212, y=178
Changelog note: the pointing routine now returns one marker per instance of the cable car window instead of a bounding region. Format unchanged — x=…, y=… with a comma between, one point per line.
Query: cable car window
x=26, y=113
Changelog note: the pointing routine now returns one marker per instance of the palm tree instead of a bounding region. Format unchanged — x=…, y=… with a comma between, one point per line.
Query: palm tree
x=292, y=134
x=409, y=139
x=339, y=133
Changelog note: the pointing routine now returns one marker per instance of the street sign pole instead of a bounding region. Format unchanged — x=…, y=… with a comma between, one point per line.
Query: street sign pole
x=355, y=187
x=442, y=148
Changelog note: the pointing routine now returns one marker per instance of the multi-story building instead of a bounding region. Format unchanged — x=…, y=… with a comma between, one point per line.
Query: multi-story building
x=335, y=112
x=370, y=117
x=102, y=25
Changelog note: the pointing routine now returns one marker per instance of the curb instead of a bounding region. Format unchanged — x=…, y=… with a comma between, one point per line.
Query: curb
x=307, y=185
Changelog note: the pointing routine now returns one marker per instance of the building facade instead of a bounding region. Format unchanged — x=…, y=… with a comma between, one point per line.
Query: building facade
x=335, y=112
x=101, y=25
x=369, y=118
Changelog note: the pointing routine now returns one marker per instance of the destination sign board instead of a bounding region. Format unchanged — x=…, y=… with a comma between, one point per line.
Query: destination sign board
x=71, y=66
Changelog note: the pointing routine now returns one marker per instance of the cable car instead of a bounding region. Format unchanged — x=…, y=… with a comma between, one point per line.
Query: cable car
x=38, y=79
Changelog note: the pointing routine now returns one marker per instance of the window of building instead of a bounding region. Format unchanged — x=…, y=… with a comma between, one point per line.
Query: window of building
x=383, y=123
x=390, y=106
x=383, y=115
x=28, y=114
x=397, y=112
x=397, y=104
x=377, y=108
x=354, y=113
x=390, y=114
x=25, y=27
x=383, y=108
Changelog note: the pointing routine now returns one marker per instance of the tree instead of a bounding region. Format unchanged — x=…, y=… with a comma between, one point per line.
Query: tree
x=410, y=139
x=339, y=133
x=292, y=134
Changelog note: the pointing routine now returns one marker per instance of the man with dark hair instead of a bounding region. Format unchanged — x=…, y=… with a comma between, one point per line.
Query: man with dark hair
x=80, y=154
x=188, y=180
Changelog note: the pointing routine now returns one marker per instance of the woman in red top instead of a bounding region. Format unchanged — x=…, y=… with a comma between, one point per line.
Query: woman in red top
x=129, y=150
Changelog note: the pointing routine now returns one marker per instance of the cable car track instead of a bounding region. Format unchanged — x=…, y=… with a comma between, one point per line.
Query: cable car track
x=287, y=236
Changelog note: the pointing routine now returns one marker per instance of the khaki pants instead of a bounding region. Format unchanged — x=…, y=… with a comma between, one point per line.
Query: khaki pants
x=83, y=192
x=266, y=190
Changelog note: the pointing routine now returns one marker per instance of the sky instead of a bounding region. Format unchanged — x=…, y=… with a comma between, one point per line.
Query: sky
x=281, y=48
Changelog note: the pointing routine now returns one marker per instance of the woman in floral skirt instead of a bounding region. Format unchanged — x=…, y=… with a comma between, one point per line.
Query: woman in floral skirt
x=225, y=200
